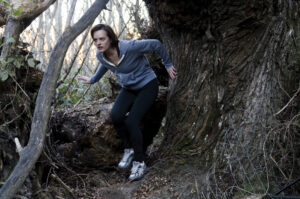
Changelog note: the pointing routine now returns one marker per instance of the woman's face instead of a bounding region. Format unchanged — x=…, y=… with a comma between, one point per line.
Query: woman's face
x=101, y=40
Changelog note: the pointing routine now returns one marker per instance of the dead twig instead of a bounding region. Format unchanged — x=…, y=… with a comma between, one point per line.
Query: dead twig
x=50, y=160
x=66, y=187
x=21, y=88
x=271, y=157
x=9, y=122
x=294, y=96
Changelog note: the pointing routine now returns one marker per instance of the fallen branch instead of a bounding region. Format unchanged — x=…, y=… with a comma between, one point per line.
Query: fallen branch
x=66, y=187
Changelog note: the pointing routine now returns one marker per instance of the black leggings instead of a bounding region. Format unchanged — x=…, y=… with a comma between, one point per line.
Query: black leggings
x=137, y=103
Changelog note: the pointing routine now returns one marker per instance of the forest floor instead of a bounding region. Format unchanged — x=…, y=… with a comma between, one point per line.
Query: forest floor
x=173, y=177
x=178, y=181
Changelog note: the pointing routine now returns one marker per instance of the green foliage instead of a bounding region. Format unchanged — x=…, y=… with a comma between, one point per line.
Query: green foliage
x=69, y=93
x=67, y=98
x=30, y=62
x=7, y=65
x=16, y=59
x=3, y=75
x=10, y=9
x=4, y=71
x=18, y=11
x=9, y=40
x=5, y=2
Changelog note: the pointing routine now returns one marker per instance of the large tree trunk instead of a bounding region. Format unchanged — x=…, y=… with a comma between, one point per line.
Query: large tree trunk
x=237, y=67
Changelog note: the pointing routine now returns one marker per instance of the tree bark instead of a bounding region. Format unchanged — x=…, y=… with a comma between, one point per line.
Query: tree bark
x=3, y=16
x=16, y=24
x=74, y=57
x=48, y=42
x=237, y=66
x=13, y=29
x=31, y=152
x=58, y=28
x=71, y=13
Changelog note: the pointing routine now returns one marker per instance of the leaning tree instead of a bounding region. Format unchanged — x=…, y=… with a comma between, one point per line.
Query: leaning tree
x=234, y=103
x=31, y=152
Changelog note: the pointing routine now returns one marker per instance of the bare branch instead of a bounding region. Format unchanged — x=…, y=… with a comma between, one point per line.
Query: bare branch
x=71, y=13
x=33, y=13
x=292, y=98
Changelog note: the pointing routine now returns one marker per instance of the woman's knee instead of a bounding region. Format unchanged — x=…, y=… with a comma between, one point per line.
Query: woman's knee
x=116, y=117
x=131, y=124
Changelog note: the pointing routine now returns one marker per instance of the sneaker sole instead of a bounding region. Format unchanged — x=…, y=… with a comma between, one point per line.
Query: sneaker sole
x=136, y=179
x=126, y=167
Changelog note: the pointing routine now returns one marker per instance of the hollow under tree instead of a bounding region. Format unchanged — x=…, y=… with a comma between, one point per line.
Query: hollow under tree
x=238, y=65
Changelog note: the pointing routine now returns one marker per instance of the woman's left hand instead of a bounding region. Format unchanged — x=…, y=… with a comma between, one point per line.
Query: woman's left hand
x=172, y=72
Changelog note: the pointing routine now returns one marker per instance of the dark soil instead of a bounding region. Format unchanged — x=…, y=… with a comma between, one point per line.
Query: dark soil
x=172, y=177
x=164, y=179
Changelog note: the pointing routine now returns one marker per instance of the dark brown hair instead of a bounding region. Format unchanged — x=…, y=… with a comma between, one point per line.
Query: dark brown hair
x=110, y=33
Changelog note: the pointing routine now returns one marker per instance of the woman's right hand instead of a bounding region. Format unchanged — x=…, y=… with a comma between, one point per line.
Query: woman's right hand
x=172, y=72
x=84, y=79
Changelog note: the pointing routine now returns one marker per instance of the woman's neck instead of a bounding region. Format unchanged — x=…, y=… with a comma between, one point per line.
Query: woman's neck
x=112, y=55
x=110, y=52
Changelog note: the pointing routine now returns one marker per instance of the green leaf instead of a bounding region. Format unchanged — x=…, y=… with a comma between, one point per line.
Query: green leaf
x=18, y=11
x=17, y=63
x=10, y=59
x=74, y=92
x=30, y=62
x=10, y=40
x=3, y=62
x=62, y=88
x=11, y=73
x=4, y=75
x=20, y=59
x=75, y=99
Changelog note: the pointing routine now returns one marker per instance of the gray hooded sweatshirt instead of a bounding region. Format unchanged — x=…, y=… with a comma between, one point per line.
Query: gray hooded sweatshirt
x=133, y=70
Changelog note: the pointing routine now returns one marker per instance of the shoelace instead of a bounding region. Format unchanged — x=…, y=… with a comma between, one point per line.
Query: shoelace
x=135, y=166
x=136, y=169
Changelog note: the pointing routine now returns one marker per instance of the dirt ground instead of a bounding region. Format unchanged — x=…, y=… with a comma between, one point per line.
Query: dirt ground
x=168, y=178
x=165, y=178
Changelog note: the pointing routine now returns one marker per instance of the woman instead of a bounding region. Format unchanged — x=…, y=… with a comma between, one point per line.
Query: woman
x=139, y=88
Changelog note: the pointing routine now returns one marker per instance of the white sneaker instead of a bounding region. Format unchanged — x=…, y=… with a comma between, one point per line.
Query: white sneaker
x=126, y=159
x=138, y=170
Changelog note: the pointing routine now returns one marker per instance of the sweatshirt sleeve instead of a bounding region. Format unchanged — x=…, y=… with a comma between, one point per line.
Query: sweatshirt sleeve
x=99, y=73
x=152, y=45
